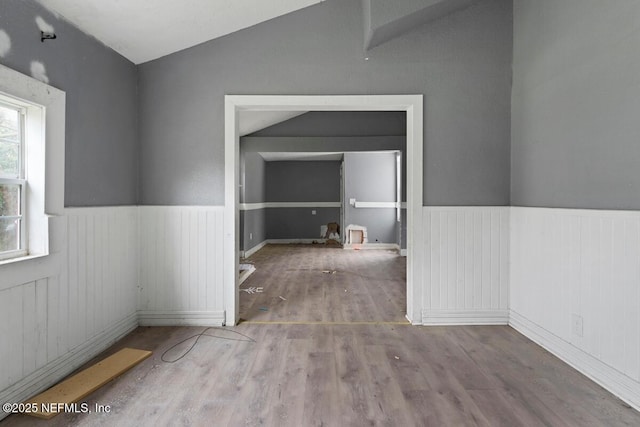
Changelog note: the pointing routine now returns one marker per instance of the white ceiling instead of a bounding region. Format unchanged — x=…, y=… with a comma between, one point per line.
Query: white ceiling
x=142, y=30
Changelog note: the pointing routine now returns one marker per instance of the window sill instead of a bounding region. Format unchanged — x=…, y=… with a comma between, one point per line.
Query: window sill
x=21, y=258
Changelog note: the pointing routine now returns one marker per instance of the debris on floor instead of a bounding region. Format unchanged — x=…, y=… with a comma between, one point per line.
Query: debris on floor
x=253, y=290
x=329, y=271
x=245, y=271
x=263, y=309
x=331, y=233
x=282, y=298
x=80, y=385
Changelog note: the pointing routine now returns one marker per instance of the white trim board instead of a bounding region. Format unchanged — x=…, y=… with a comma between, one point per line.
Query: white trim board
x=601, y=373
x=465, y=317
x=411, y=104
x=269, y=205
x=375, y=205
x=253, y=250
x=180, y=318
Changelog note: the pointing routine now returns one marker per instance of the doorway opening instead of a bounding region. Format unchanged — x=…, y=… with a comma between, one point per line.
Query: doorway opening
x=410, y=104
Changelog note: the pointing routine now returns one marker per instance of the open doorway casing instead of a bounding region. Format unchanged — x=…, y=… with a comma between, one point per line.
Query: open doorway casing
x=411, y=104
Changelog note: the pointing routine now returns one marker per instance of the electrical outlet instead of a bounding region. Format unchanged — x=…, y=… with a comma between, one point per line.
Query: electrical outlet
x=250, y=236
x=577, y=325
x=313, y=212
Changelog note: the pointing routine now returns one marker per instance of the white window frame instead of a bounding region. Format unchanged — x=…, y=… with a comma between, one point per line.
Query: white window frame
x=44, y=135
x=21, y=180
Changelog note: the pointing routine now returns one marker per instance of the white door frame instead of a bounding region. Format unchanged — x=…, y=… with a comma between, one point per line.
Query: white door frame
x=411, y=104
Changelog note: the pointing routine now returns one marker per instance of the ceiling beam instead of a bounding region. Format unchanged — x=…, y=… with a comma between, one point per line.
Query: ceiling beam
x=386, y=20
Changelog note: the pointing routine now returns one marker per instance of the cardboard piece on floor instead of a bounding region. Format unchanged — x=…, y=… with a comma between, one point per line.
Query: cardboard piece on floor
x=86, y=382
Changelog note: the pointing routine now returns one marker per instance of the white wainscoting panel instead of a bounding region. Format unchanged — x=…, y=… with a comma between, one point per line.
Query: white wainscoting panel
x=181, y=254
x=575, y=289
x=82, y=301
x=466, y=262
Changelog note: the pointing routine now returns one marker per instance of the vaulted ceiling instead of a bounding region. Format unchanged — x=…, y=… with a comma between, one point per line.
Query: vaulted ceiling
x=144, y=30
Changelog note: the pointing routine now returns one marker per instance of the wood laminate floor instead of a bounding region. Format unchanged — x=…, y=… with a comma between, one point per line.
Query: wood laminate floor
x=318, y=283
x=322, y=371
x=346, y=375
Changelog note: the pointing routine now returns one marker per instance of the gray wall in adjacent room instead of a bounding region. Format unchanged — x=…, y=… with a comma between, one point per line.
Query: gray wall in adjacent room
x=371, y=177
x=298, y=223
x=252, y=228
x=102, y=150
x=330, y=144
x=303, y=181
x=461, y=63
x=252, y=222
x=322, y=144
x=253, y=171
x=576, y=103
x=340, y=123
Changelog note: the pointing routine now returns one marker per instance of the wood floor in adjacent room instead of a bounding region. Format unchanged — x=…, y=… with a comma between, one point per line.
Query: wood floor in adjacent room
x=307, y=371
x=318, y=283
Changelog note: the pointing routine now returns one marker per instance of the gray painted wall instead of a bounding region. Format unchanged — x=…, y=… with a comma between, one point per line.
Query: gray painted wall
x=371, y=177
x=102, y=151
x=298, y=223
x=323, y=144
x=253, y=229
x=253, y=171
x=576, y=102
x=331, y=144
x=287, y=181
x=303, y=181
x=462, y=63
x=340, y=123
x=252, y=223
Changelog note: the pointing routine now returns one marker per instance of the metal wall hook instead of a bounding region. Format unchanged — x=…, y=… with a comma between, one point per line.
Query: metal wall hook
x=47, y=36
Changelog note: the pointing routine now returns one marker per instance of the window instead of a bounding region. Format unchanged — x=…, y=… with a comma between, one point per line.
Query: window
x=32, y=132
x=13, y=185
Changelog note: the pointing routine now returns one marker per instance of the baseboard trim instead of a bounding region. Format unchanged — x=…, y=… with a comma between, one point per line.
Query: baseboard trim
x=253, y=250
x=181, y=318
x=371, y=246
x=294, y=241
x=465, y=317
x=52, y=372
x=611, y=379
